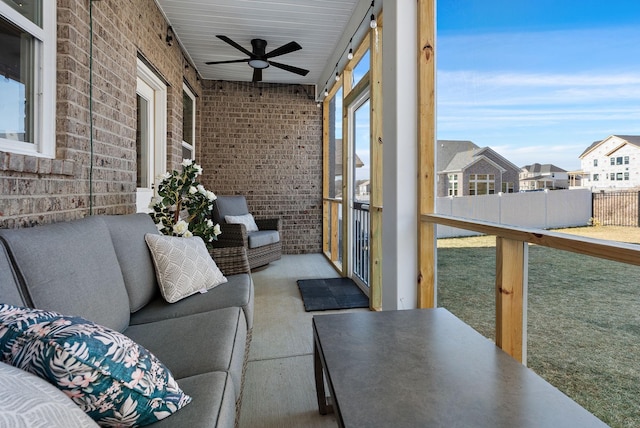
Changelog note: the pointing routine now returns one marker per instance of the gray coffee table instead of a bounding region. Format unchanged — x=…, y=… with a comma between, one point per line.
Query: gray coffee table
x=426, y=368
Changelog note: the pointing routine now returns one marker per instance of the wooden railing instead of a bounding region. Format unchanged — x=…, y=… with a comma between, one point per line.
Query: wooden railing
x=511, y=265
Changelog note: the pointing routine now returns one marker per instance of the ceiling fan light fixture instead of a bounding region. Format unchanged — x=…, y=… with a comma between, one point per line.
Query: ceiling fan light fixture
x=258, y=63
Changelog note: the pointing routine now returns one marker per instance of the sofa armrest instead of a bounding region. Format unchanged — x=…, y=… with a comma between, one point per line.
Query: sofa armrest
x=233, y=235
x=269, y=224
x=231, y=260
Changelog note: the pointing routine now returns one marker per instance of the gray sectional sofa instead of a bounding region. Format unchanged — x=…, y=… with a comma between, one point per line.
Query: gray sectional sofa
x=100, y=268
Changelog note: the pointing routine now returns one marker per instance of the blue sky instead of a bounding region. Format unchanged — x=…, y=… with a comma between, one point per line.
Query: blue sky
x=538, y=81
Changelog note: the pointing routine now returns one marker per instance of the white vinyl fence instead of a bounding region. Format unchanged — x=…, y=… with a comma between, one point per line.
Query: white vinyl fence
x=543, y=210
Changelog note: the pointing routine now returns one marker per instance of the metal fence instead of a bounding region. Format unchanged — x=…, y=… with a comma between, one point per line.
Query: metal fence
x=616, y=208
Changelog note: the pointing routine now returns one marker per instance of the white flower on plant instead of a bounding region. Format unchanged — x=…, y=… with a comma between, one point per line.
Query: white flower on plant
x=192, y=190
x=187, y=162
x=188, y=234
x=211, y=196
x=180, y=227
x=209, y=223
x=198, y=169
x=165, y=176
x=202, y=190
x=216, y=230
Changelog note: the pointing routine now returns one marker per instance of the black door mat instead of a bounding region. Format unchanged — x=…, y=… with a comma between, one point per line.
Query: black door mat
x=331, y=293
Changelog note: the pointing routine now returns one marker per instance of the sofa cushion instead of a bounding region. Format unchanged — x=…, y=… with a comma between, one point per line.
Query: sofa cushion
x=199, y=343
x=246, y=219
x=71, y=268
x=127, y=234
x=183, y=266
x=111, y=378
x=212, y=407
x=228, y=205
x=237, y=291
x=262, y=238
x=10, y=290
x=31, y=402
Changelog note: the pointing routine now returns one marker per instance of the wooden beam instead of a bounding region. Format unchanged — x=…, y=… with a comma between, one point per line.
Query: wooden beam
x=609, y=250
x=375, y=248
x=426, y=152
x=335, y=225
x=510, y=274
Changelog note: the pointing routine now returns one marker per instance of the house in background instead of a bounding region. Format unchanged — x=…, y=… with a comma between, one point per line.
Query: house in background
x=613, y=163
x=543, y=176
x=464, y=169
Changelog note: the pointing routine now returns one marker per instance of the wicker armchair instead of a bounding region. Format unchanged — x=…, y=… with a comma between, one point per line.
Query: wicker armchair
x=263, y=246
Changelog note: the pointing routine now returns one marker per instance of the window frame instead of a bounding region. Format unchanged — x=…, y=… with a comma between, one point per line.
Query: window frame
x=185, y=145
x=595, y=162
x=44, y=100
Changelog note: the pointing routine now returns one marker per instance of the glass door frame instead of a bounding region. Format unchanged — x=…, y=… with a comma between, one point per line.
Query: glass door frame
x=354, y=102
x=157, y=144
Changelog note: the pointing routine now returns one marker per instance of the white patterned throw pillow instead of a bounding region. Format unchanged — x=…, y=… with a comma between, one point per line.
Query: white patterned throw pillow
x=183, y=266
x=246, y=219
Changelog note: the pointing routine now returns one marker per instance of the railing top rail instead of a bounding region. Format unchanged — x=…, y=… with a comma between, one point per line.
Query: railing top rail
x=610, y=250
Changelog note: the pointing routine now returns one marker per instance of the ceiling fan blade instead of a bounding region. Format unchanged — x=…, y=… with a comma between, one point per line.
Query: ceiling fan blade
x=284, y=49
x=228, y=62
x=257, y=75
x=290, y=68
x=235, y=45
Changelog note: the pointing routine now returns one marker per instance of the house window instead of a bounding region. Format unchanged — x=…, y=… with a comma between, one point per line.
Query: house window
x=481, y=184
x=619, y=160
x=613, y=161
x=595, y=162
x=188, y=123
x=596, y=177
x=619, y=176
x=27, y=86
x=507, y=187
x=626, y=176
x=626, y=160
x=453, y=184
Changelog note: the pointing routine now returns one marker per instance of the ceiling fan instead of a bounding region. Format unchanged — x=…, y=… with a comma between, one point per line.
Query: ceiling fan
x=259, y=59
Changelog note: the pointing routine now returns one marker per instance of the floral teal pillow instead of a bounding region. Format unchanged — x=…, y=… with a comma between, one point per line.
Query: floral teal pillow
x=113, y=379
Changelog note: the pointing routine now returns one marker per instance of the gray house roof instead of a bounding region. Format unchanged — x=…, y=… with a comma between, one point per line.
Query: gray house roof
x=448, y=149
x=454, y=155
x=546, y=168
x=631, y=139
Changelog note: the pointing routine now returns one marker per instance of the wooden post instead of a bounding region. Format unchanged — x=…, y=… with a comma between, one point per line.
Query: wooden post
x=426, y=152
x=335, y=229
x=375, y=261
x=510, y=292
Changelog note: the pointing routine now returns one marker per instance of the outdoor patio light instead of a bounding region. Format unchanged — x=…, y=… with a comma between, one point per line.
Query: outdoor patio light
x=169, y=38
x=373, y=23
x=350, y=54
x=258, y=63
x=337, y=76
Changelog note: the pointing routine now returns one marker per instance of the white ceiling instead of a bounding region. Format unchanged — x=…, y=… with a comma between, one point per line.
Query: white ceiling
x=317, y=25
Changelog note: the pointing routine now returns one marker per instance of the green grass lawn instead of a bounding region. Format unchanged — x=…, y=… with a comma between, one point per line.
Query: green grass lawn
x=583, y=322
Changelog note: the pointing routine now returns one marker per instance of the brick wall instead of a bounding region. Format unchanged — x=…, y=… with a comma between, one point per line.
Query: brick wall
x=38, y=190
x=264, y=141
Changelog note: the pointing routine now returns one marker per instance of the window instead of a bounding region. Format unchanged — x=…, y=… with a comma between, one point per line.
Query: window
x=613, y=161
x=481, y=184
x=626, y=176
x=596, y=177
x=626, y=160
x=595, y=162
x=362, y=68
x=619, y=176
x=27, y=82
x=188, y=123
x=619, y=160
x=453, y=184
x=507, y=187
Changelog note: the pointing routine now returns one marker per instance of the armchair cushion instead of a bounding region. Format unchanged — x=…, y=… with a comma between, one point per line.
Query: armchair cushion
x=246, y=219
x=229, y=205
x=263, y=237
